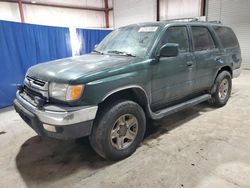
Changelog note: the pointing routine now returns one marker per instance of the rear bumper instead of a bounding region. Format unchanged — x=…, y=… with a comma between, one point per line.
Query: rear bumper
x=236, y=73
x=58, y=122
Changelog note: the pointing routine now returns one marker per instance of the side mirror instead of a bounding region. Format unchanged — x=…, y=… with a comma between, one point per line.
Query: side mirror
x=95, y=46
x=169, y=50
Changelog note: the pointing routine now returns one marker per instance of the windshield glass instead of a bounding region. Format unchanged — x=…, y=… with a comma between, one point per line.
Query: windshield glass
x=131, y=41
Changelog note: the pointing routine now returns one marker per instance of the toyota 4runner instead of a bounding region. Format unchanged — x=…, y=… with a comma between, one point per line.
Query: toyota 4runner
x=140, y=71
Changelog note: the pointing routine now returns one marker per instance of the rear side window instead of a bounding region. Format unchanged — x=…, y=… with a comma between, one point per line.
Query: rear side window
x=202, y=39
x=227, y=36
x=177, y=34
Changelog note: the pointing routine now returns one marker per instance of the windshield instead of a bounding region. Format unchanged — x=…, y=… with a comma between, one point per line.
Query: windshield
x=130, y=41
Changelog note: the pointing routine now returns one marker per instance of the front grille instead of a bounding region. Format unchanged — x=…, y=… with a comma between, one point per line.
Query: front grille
x=31, y=93
x=35, y=87
x=36, y=81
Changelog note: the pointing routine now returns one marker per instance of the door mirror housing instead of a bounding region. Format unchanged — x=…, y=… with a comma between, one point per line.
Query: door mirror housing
x=95, y=46
x=169, y=50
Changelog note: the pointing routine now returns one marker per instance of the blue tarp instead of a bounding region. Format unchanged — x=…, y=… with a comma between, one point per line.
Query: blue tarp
x=24, y=45
x=89, y=38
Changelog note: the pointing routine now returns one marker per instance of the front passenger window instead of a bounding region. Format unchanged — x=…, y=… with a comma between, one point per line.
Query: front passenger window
x=178, y=35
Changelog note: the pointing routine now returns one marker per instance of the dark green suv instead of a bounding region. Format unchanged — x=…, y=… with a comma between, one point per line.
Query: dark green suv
x=140, y=71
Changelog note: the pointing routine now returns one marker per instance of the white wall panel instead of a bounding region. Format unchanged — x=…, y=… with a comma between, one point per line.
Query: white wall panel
x=234, y=13
x=63, y=16
x=9, y=11
x=110, y=2
x=52, y=16
x=172, y=9
x=111, y=19
x=133, y=11
x=90, y=3
x=214, y=10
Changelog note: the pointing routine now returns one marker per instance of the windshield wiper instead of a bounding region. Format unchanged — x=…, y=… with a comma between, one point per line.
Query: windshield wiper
x=121, y=53
x=98, y=52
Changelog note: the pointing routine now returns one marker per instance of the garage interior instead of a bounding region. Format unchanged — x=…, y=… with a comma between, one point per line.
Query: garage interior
x=197, y=147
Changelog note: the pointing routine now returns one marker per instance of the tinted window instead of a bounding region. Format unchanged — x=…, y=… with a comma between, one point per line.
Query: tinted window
x=227, y=36
x=177, y=35
x=202, y=39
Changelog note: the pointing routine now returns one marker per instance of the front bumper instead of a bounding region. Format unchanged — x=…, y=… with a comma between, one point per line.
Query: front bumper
x=56, y=121
x=236, y=73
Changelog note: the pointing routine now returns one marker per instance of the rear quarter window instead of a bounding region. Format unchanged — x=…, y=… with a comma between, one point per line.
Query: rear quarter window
x=226, y=36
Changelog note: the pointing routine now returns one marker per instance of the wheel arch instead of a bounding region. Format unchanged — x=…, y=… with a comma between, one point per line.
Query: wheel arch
x=224, y=68
x=134, y=93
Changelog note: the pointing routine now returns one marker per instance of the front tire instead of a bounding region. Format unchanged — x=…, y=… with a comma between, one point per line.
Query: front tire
x=223, y=87
x=118, y=130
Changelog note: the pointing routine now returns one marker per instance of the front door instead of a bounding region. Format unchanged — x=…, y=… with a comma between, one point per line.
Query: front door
x=172, y=77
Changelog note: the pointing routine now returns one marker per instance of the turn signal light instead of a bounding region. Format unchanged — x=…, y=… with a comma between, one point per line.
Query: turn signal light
x=76, y=92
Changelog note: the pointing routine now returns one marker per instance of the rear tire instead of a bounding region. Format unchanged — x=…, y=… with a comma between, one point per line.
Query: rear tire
x=223, y=87
x=118, y=130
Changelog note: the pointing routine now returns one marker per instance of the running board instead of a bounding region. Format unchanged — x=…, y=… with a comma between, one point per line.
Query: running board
x=170, y=110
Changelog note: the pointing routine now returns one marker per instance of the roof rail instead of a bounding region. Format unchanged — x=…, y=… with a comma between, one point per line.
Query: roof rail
x=194, y=20
x=215, y=21
x=185, y=19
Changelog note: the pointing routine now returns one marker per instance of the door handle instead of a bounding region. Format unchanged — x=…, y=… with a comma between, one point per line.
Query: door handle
x=190, y=63
x=218, y=59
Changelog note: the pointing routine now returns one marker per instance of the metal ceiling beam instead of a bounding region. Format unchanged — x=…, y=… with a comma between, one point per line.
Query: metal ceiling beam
x=60, y=5
x=20, y=5
x=106, y=5
x=157, y=10
x=203, y=8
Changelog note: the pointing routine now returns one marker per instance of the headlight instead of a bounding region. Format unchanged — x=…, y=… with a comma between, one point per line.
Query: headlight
x=65, y=92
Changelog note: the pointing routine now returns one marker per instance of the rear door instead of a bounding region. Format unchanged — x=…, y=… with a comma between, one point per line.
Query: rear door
x=207, y=56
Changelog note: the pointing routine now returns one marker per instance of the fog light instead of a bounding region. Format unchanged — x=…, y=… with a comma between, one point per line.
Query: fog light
x=50, y=128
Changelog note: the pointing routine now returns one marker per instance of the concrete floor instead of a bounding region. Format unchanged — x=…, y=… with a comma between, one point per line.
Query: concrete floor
x=198, y=147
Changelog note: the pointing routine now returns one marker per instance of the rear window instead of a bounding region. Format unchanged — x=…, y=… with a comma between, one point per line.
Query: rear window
x=227, y=36
x=202, y=38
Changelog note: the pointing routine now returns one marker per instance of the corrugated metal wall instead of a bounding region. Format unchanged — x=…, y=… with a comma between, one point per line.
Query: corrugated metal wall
x=172, y=9
x=133, y=11
x=236, y=14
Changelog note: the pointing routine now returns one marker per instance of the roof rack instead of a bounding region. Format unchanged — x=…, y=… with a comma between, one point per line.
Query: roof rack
x=185, y=19
x=215, y=21
x=194, y=20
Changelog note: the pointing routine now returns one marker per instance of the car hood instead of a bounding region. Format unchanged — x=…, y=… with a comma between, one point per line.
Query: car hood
x=68, y=69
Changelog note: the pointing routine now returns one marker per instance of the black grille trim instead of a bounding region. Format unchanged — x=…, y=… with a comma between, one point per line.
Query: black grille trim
x=36, y=81
x=31, y=93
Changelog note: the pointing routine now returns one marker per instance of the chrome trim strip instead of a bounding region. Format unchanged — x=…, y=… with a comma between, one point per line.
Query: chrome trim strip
x=86, y=113
x=236, y=73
